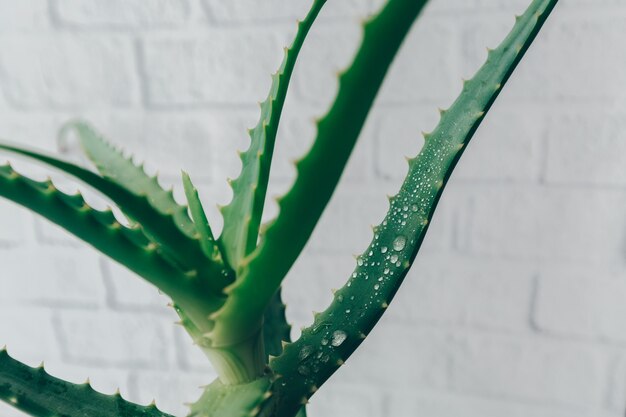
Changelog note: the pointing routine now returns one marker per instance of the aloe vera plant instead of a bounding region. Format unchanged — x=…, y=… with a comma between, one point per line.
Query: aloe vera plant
x=226, y=289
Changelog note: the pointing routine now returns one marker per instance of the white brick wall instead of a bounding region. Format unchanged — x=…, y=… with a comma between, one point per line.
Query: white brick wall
x=516, y=304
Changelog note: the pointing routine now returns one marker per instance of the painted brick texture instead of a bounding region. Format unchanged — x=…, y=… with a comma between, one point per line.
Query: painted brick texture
x=515, y=306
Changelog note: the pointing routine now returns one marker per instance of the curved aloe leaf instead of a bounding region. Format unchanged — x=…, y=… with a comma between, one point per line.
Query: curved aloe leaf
x=335, y=334
x=38, y=394
x=159, y=227
x=243, y=400
x=242, y=216
x=208, y=242
x=127, y=246
x=318, y=173
x=113, y=165
x=276, y=330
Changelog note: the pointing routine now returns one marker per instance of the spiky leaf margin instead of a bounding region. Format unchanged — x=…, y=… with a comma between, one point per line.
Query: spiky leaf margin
x=318, y=174
x=336, y=333
x=242, y=216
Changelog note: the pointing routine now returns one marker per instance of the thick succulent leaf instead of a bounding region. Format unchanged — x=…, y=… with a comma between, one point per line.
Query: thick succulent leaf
x=113, y=165
x=318, y=173
x=242, y=216
x=207, y=241
x=161, y=228
x=38, y=394
x=243, y=400
x=276, y=330
x=128, y=246
x=338, y=331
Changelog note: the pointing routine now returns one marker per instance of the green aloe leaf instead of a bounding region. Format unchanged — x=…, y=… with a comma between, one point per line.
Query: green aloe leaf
x=208, y=242
x=243, y=400
x=161, y=228
x=276, y=330
x=38, y=394
x=318, y=173
x=128, y=246
x=113, y=165
x=336, y=333
x=242, y=216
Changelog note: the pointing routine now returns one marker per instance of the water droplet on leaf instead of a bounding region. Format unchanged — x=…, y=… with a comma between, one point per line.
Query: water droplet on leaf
x=399, y=243
x=339, y=336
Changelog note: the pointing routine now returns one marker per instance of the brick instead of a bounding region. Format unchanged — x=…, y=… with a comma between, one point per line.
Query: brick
x=239, y=11
x=424, y=70
x=8, y=411
x=617, y=384
x=428, y=71
x=326, y=52
x=28, y=334
x=23, y=16
x=49, y=233
x=121, y=13
x=298, y=134
x=543, y=73
x=460, y=6
x=407, y=404
x=128, y=290
x=14, y=224
x=52, y=277
x=588, y=148
x=309, y=283
x=132, y=340
x=451, y=290
x=171, y=390
x=507, y=146
x=19, y=127
x=528, y=369
x=79, y=72
x=583, y=302
x=398, y=135
x=544, y=223
x=347, y=401
x=396, y=356
x=206, y=71
x=340, y=230
x=203, y=145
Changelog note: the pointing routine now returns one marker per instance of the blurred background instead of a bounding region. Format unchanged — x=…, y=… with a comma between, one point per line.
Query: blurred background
x=517, y=303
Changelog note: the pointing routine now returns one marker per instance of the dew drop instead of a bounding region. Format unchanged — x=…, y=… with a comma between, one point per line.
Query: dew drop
x=324, y=342
x=383, y=249
x=359, y=262
x=399, y=243
x=303, y=370
x=393, y=258
x=305, y=352
x=376, y=287
x=339, y=336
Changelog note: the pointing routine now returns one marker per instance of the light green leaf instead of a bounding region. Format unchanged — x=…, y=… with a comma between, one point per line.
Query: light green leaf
x=335, y=335
x=318, y=173
x=242, y=216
